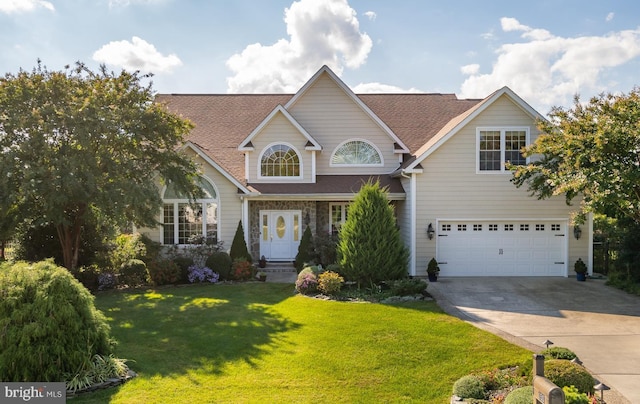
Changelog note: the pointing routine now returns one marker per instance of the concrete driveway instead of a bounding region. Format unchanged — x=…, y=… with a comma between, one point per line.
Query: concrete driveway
x=599, y=323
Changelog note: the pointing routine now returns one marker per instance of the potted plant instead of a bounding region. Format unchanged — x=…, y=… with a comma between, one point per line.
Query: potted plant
x=581, y=270
x=261, y=276
x=432, y=270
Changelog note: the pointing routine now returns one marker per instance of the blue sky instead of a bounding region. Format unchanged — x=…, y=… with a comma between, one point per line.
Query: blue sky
x=546, y=51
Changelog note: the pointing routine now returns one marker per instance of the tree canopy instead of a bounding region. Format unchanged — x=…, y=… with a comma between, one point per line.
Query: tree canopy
x=591, y=152
x=76, y=140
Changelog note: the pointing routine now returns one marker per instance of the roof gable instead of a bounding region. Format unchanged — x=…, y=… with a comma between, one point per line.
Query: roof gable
x=325, y=70
x=246, y=144
x=457, y=123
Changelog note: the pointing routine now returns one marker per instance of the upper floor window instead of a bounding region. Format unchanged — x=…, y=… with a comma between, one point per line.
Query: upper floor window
x=498, y=146
x=356, y=152
x=189, y=222
x=280, y=160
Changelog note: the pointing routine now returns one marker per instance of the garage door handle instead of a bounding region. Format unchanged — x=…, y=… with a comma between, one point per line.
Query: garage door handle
x=442, y=262
x=443, y=235
x=559, y=262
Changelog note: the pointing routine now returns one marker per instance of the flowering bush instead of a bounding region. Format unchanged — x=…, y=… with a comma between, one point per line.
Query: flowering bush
x=330, y=282
x=107, y=280
x=163, y=272
x=202, y=274
x=241, y=269
x=307, y=282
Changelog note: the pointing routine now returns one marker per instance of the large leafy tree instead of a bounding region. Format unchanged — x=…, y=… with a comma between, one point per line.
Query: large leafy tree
x=75, y=140
x=370, y=249
x=591, y=151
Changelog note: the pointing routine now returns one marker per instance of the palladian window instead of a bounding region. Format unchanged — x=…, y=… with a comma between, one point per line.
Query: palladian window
x=280, y=160
x=356, y=152
x=188, y=222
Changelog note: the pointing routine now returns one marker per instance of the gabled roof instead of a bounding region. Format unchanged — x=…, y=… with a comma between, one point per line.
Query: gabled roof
x=312, y=144
x=326, y=70
x=460, y=121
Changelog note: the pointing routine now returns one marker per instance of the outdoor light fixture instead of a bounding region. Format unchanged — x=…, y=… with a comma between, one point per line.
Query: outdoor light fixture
x=577, y=361
x=547, y=343
x=577, y=232
x=430, y=231
x=601, y=387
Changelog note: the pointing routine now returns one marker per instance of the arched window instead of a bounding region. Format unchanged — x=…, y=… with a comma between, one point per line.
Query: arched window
x=185, y=222
x=356, y=152
x=280, y=160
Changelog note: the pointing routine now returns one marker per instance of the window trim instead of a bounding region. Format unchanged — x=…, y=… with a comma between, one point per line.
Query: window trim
x=176, y=208
x=344, y=206
x=332, y=164
x=502, y=130
x=279, y=178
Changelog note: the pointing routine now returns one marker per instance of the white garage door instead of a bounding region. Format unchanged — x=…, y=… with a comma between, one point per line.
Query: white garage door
x=495, y=248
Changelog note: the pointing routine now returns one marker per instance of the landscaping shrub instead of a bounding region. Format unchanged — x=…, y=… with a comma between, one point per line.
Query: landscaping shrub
x=522, y=395
x=407, y=287
x=202, y=274
x=565, y=373
x=239, y=246
x=184, y=263
x=330, y=282
x=220, y=262
x=325, y=248
x=241, y=269
x=163, y=272
x=370, y=249
x=49, y=323
x=307, y=282
x=99, y=369
x=127, y=247
x=469, y=386
x=107, y=280
x=573, y=396
x=558, y=353
x=88, y=276
x=306, y=253
x=133, y=273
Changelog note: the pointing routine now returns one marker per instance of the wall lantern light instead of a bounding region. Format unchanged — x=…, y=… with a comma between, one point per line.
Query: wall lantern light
x=577, y=232
x=430, y=231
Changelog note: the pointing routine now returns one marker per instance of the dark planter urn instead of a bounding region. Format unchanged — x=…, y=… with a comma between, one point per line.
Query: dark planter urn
x=433, y=277
x=581, y=277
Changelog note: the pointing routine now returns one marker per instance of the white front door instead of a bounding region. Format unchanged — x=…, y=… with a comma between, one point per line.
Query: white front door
x=280, y=234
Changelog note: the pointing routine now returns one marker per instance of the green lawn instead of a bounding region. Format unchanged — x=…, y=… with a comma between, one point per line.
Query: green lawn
x=258, y=343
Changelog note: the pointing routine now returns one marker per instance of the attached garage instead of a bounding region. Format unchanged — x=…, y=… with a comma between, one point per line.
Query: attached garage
x=502, y=248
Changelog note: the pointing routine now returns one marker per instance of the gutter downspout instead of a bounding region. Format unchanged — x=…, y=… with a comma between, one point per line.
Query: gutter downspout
x=413, y=222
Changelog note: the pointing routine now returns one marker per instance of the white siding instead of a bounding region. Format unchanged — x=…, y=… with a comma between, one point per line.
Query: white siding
x=279, y=130
x=332, y=117
x=451, y=189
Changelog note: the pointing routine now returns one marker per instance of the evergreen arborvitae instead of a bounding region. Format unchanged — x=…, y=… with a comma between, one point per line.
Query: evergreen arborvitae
x=49, y=325
x=370, y=249
x=306, y=253
x=239, y=246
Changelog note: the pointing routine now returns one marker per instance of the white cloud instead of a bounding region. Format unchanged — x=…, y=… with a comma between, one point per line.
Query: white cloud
x=125, y=3
x=136, y=55
x=23, y=6
x=470, y=69
x=548, y=70
x=610, y=16
x=371, y=15
x=377, y=88
x=320, y=33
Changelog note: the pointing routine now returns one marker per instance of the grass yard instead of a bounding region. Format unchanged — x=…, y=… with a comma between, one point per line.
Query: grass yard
x=258, y=343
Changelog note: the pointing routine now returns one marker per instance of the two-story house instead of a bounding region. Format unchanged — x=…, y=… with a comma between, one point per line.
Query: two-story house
x=280, y=162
